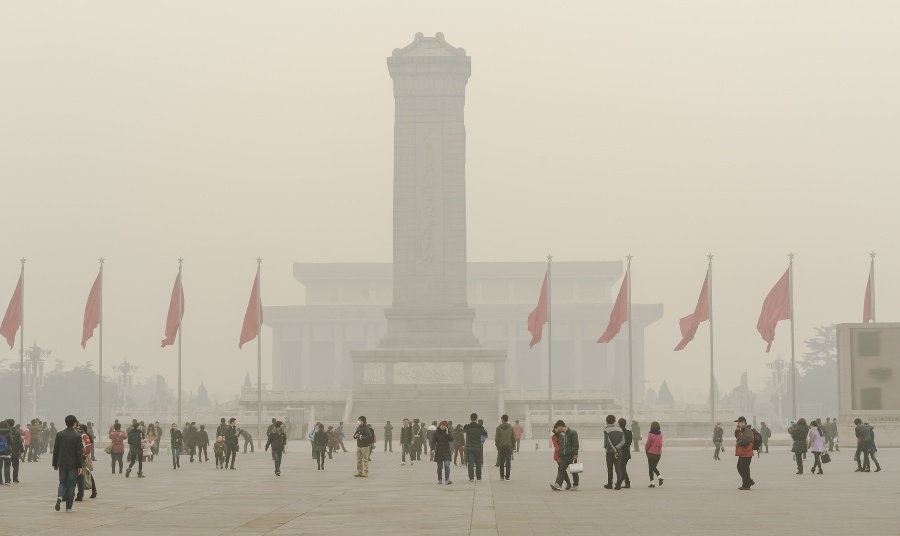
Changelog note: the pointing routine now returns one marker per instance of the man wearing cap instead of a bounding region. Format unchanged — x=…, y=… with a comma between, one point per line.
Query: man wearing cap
x=277, y=440
x=743, y=449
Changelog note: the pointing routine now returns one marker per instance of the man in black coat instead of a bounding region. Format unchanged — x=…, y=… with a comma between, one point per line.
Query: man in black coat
x=474, y=446
x=135, y=451
x=68, y=455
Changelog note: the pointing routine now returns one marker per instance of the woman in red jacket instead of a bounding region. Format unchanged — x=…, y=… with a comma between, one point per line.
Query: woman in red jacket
x=118, y=438
x=555, y=442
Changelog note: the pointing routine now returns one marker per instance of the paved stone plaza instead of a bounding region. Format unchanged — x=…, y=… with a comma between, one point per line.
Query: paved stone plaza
x=699, y=497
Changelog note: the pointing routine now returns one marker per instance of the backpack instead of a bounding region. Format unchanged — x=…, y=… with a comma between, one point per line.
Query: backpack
x=757, y=441
x=4, y=445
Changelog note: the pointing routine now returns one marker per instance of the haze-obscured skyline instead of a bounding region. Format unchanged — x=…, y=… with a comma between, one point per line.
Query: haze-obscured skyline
x=224, y=131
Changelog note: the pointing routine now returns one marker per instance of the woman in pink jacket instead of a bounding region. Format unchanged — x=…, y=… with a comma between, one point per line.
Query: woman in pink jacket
x=118, y=438
x=653, y=448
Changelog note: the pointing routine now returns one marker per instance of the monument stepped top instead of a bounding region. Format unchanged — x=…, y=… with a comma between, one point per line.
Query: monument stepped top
x=429, y=46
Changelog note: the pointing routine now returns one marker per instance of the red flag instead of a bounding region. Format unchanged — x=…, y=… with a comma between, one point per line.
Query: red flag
x=619, y=314
x=776, y=307
x=250, y=330
x=13, y=317
x=538, y=317
x=91, y=312
x=173, y=320
x=691, y=322
x=867, y=301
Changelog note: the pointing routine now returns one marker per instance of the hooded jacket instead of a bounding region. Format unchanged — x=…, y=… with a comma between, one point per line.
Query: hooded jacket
x=504, y=436
x=568, y=442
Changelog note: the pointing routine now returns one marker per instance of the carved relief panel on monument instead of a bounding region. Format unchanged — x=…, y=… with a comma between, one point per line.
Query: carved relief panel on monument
x=429, y=257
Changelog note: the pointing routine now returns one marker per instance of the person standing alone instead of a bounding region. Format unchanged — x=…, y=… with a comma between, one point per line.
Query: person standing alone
x=68, y=452
x=388, y=437
x=363, y=437
x=718, y=434
x=743, y=449
x=504, y=440
x=176, y=440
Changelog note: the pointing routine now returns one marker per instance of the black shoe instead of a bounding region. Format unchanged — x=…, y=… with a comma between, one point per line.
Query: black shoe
x=752, y=482
x=127, y=472
x=608, y=486
x=626, y=486
x=744, y=488
x=661, y=481
x=93, y=495
x=876, y=470
x=618, y=487
x=58, y=500
x=799, y=472
x=79, y=499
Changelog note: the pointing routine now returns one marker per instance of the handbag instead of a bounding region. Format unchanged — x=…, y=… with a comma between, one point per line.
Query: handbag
x=108, y=449
x=826, y=458
x=576, y=468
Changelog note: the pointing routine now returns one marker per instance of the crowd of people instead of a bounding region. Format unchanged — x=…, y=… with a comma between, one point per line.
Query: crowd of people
x=73, y=453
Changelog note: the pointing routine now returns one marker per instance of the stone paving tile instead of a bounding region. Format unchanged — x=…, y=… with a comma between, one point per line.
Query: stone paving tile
x=699, y=498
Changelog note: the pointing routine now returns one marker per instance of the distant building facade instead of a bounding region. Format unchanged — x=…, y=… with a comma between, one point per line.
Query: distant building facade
x=345, y=311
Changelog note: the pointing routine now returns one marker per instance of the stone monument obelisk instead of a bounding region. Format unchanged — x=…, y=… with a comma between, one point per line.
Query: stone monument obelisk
x=429, y=351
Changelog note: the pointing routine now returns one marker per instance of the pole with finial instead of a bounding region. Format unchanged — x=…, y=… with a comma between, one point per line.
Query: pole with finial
x=793, y=360
x=712, y=375
x=258, y=352
x=549, y=346
x=180, y=314
x=630, y=346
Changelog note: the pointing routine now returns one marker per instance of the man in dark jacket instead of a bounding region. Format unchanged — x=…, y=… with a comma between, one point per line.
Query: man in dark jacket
x=613, y=441
x=765, y=432
x=388, y=437
x=743, y=449
x=863, y=446
x=417, y=440
x=567, y=439
x=231, y=441
x=718, y=437
x=176, y=440
x=504, y=440
x=406, y=441
x=6, y=451
x=474, y=447
x=202, y=443
x=190, y=439
x=277, y=440
x=68, y=455
x=363, y=437
x=135, y=451
x=636, y=435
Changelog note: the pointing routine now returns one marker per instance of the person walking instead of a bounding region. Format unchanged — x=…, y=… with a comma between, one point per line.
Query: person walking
x=277, y=440
x=153, y=437
x=363, y=437
x=863, y=445
x=636, y=435
x=219, y=452
x=567, y=442
x=653, y=449
x=68, y=460
x=388, y=437
x=474, y=446
x=117, y=438
x=625, y=454
x=340, y=436
x=799, y=434
x=6, y=451
x=765, y=433
x=53, y=433
x=743, y=449
x=332, y=441
x=517, y=432
x=554, y=440
x=441, y=441
x=429, y=437
x=718, y=433
x=613, y=441
x=202, y=444
x=406, y=441
x=459, y=445
x=135, y=451
x=320, y=444
x=417, y=440
x=504, y=440
x=873, y=449
x=176, y=440
x=36, y=432
x=835, y=435
x=190, y=440
x=86, y=479
x=816, y=444
x=232, y=432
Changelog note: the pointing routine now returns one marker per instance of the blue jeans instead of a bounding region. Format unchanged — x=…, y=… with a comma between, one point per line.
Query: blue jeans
x=474, y=457
x=67, y=478
x=276, y=455
x=446, y=464
x=176, y=451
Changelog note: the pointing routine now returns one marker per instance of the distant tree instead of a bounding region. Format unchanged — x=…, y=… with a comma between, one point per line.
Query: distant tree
x=817, y=379
x=665, y=397
x=821, y=350
x=651, y=396
x=203, y=396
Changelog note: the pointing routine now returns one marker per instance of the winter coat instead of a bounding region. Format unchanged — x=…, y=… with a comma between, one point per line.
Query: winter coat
x=277, y=440
x=118, y=438
x=799, y=433
x=717, y=434
x=231, y=435
x=816, y=440
x=504, y=437
x=202, y=438
x=320, y=440
x=654, y=443
x=406, y=435
x=613, y=438
x=744, y=445
x=68, y=451
x=459, y=438
x=363, y=436
x=135, y=437
x=625, y=453
x=176, y=438
x=473, y=432
x=568, y=443
x=441, y=445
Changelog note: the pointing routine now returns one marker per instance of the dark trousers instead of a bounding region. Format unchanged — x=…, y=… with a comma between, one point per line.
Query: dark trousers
x=417, y=449
x=652, y=462
x=862, y=448
x=518, y=441
x=718, y=445
x=505, y=461
x=79, y=482
x=404, y=450
x=248, y=442
x=320, y=457
x=202, y=450
x=388, y=444
x=475, y=458
x=613, y=463
x=15, y=468
x=66, y=490
x=176, y=461
x=461, y=451
x=817, y=462
x=799, y=456
x=276, y=457
x=32, y=455
x=623, y=463
x=743, y=467
x=136, y=455
x=117, y=457
x=230, y=454
x=562, y=474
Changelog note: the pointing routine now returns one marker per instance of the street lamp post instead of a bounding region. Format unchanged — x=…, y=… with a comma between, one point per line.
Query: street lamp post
x=34, y=372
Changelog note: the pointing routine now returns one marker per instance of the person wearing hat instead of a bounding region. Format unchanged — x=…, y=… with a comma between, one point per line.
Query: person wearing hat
x=743, y=449
x=277, y=440
x=718, y=432
x=567, y=441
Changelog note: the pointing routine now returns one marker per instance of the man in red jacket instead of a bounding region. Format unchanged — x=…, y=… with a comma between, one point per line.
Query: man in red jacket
x=743, y=449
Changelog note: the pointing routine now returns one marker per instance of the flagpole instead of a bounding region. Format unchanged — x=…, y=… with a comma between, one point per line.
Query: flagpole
x=258, y=354
x=872, y=281
x=630, y=349
x=549, y=348
x=793, y=365
x=100, y=422
x=22, y=347
x=180, y=314
x=712, y=375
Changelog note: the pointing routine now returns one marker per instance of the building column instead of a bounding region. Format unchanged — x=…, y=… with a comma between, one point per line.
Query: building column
x=304, y=358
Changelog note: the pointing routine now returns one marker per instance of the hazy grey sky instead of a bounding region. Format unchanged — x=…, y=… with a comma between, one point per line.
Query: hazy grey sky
x=221, y=131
